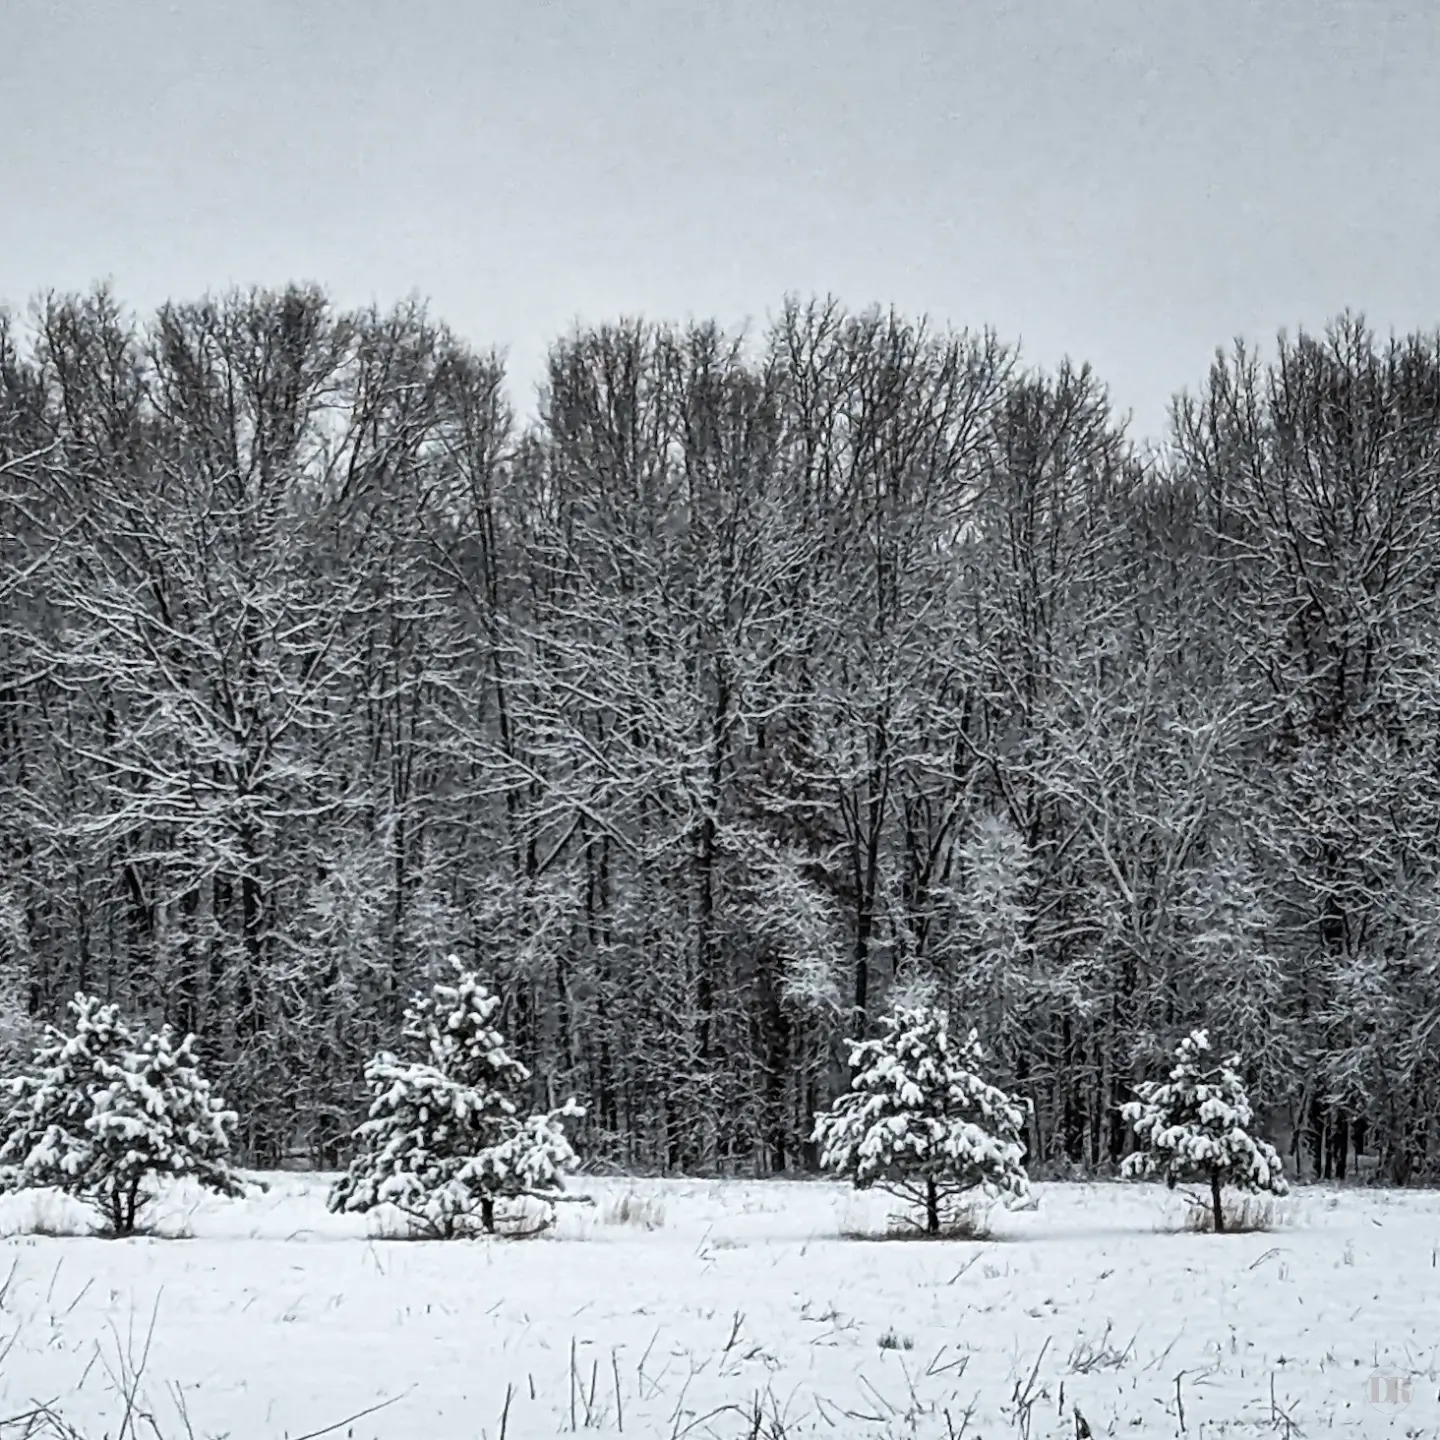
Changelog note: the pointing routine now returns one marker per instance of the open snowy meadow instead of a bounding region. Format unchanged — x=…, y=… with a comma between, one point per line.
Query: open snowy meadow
x=720, y=1309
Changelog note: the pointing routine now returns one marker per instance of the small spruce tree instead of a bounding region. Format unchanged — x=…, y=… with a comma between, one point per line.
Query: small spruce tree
x=444, y=1138
x=1195, y=1126
x=108, y=1111
x=919, y=1123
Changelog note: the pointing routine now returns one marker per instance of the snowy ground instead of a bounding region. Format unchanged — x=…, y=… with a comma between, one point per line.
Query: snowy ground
x=746, y=1313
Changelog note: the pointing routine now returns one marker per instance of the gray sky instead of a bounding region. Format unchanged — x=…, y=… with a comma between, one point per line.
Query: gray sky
x=1131, y=182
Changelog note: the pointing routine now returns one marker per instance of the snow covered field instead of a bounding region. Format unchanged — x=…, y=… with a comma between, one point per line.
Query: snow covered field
x=747, y=1312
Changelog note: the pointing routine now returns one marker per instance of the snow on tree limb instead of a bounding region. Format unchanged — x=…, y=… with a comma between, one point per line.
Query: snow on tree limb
x=1195, y=1126
x=445, y=1139
x=919, y=1122
x=108, y=1111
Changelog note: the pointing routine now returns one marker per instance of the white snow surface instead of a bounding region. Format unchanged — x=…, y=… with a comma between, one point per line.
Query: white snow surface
x=275, y=1318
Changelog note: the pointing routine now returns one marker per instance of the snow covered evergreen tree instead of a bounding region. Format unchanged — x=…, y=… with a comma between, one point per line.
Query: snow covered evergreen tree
x=444, y=1139
x=1194, y=1126
x=919, y=1123
x=110, y=1109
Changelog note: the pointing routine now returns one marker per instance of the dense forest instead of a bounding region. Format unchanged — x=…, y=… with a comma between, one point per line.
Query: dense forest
x=758, y=679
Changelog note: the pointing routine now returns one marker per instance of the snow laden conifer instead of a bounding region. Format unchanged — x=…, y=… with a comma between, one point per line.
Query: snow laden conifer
x=1195, y=1126
x=109, y=1110
x=919, y=1123
x=445, y=1139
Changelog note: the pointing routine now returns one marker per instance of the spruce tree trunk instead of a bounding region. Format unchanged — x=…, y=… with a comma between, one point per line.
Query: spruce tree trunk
x=1215, y=1205
x=111, y=1210
x=932, y=1207
x=120, y=1206
x=487, y=1213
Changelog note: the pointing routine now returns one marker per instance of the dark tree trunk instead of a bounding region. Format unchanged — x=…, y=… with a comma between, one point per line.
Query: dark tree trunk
x=932, y=1207
x=1072, y=1110
x=1318, y=1148
x=1217, y=1209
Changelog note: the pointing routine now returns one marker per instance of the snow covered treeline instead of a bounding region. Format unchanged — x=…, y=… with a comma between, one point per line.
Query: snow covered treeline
x=746, y=679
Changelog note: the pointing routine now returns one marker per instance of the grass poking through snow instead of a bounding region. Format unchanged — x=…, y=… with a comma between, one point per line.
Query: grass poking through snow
x=701, y=1310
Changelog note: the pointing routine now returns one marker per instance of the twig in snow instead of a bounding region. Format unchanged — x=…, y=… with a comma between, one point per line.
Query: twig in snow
x=589, y=1400
x=358, y=1415
x=958, y=1364
x=1159, y=1360
x=866, y=1383
x=55, y=1275
x=950, y=1431
x=131, y=1373
x=1023, y=1398
x=9, y=1280
x=1281, y=1418
x=573, y=1426
x=679, y=1407
x=84, y=1290
x=965, y=1267
x=640, y=1368
x=177, y=1394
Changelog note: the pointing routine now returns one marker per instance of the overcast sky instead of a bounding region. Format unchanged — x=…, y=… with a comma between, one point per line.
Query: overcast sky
x=1131, y=182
